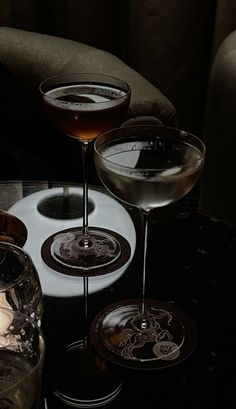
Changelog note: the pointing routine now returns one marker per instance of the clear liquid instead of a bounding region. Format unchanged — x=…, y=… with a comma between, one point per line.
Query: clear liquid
x=25, y=394
x=149, y=176
x=84, y=111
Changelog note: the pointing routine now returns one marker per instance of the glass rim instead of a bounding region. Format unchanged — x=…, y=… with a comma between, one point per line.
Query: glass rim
x=127, y=91
x=42, y=348
x=120, y=135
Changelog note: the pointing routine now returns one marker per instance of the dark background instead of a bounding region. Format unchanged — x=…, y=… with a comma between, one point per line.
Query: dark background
x=171, y=43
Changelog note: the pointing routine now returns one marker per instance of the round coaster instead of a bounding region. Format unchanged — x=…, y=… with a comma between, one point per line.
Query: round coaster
x=63, y=269
x=185, y=350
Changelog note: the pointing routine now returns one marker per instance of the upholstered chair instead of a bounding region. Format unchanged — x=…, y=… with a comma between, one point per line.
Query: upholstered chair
x=32, y=57
x=218, y=190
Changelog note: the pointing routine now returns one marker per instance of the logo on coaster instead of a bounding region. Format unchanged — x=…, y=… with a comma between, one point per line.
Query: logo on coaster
x=166, y=350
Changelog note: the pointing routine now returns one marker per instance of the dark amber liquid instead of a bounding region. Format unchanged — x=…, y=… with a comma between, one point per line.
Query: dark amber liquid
x=84, y=111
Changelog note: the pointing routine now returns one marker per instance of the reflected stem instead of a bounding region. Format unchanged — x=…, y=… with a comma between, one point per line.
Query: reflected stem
x=85, y=291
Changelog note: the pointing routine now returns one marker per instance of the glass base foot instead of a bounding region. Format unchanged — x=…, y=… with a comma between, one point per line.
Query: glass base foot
x=75, y=250
x=158, y=337
x=86, y=379
x=91, y=265
x=144, y=336
x=64, y=206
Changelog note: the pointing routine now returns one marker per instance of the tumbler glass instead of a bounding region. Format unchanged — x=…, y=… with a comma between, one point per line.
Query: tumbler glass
x=22, y=350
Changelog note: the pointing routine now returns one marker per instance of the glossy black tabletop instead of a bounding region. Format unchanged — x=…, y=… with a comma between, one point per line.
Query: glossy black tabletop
x=191, y=263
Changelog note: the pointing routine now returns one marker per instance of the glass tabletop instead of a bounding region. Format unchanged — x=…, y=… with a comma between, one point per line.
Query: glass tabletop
x=191, y=263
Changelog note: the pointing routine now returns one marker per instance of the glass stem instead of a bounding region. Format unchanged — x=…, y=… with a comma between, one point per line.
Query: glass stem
x=145, y=233
x=85, y=288
x=85, y=187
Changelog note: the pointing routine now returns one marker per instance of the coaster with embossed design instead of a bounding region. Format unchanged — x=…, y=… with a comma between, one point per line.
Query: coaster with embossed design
x=46, y=253
x=170, y=337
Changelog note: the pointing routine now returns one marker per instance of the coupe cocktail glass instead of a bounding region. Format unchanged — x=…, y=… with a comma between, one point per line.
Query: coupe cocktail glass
x=147, y=166
x=83, y=106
